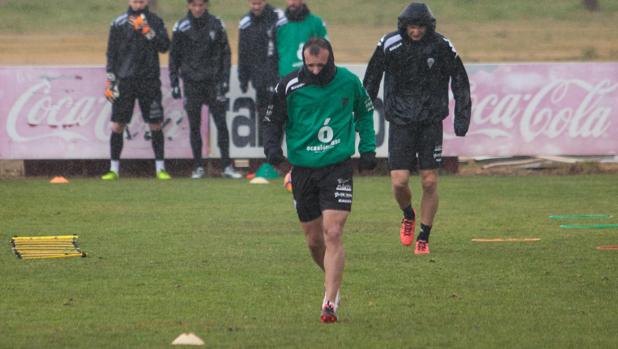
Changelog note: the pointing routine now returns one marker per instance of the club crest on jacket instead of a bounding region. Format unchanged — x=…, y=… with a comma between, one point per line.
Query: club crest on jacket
x=430, y=62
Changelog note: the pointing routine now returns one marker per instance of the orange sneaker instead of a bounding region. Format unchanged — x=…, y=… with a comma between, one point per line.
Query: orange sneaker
x=406, y=233
x=328, y=313
x=422, y=247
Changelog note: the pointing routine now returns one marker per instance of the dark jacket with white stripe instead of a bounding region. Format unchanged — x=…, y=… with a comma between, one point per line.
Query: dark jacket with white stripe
x=417, y=75
x=257, y=53
x=200, y=51
x=129, y=53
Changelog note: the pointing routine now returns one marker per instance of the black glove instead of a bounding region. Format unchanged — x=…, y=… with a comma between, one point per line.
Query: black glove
x=367, y=161
x=244, y=86
x=275, y=159
x=222, y=90
x=176, y=94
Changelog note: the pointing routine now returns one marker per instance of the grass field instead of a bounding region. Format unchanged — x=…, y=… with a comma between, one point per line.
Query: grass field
x=42, y=32
x=227, y=261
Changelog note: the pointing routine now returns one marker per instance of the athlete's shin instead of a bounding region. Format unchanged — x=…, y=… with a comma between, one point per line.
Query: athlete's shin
x=401, y=187
x=116, y=143
x=158, y=144
x=223, y=136
x=195, y=136
x=430, y=199
x=315, y=240
x=334, y=256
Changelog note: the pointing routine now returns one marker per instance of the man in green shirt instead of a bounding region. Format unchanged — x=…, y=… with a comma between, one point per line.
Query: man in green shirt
x=293, y=30
x=321, y=107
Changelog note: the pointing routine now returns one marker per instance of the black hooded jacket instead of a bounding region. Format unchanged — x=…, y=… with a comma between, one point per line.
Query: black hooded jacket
x=129, y=54
x=200, y=51
x=417, y=74
x=257, y=53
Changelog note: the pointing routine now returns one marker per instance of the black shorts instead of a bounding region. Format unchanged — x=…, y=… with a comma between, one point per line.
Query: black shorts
x=415, y=145
x=148, y=94
x=319, y=189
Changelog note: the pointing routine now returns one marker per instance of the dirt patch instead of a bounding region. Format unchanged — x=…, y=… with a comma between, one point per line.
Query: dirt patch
x=474, y=168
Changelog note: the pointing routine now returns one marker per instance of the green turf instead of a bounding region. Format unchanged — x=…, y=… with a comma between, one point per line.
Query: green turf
x=66, y=16
x=227, y=260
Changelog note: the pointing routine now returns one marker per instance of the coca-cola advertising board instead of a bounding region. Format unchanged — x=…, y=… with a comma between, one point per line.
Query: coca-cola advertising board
x=518, y=109
x=61, y=113
x=540, y=109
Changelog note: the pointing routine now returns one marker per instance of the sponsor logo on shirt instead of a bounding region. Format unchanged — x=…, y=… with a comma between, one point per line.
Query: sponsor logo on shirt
x=325, y=136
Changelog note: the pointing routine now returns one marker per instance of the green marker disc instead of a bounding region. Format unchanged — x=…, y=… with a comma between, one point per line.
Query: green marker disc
x=581, y=216
x=590, y=226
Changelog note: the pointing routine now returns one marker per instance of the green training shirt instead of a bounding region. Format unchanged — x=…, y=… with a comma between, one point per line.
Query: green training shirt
x=291, y=36
x=321, y=121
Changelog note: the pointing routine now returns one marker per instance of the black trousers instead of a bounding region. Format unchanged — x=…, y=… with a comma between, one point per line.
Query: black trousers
x=198, y=93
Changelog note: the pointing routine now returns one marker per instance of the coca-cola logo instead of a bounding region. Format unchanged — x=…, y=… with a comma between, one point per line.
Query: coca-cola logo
x=41, y=112
x=571, y=108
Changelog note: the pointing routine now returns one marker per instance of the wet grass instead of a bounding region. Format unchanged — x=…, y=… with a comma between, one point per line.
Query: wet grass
x=227, y=260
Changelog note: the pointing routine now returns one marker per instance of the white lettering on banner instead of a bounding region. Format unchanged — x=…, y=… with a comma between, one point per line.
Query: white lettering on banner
x=41, y=110
x=101, y=126
x=37, y=108
x=588, y=119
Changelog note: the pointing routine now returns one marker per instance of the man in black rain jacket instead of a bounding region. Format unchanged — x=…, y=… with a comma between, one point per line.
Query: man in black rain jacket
x=257, y=53
x=135, y=40
x=418, y=63
x=200, y=55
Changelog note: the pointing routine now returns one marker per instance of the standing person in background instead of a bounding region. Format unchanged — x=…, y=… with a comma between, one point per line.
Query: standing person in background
x=293, y=30
x=321, y=107
x=419, y=62
x=257, y=55
x=135, y=40
x=200, y=55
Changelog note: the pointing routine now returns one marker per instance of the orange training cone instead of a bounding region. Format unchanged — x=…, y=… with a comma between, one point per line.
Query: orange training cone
x=59, y=180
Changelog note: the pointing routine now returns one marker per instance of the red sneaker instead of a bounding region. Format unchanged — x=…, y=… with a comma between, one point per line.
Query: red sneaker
x=422, y=247
x=406, y=233
x=328, y=313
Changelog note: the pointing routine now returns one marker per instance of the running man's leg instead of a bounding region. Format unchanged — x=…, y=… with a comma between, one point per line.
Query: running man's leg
x=314, y=235
x=401, y=188
x=402, y=159
x=430, y=200
x=334, y=256
x=430, y=160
